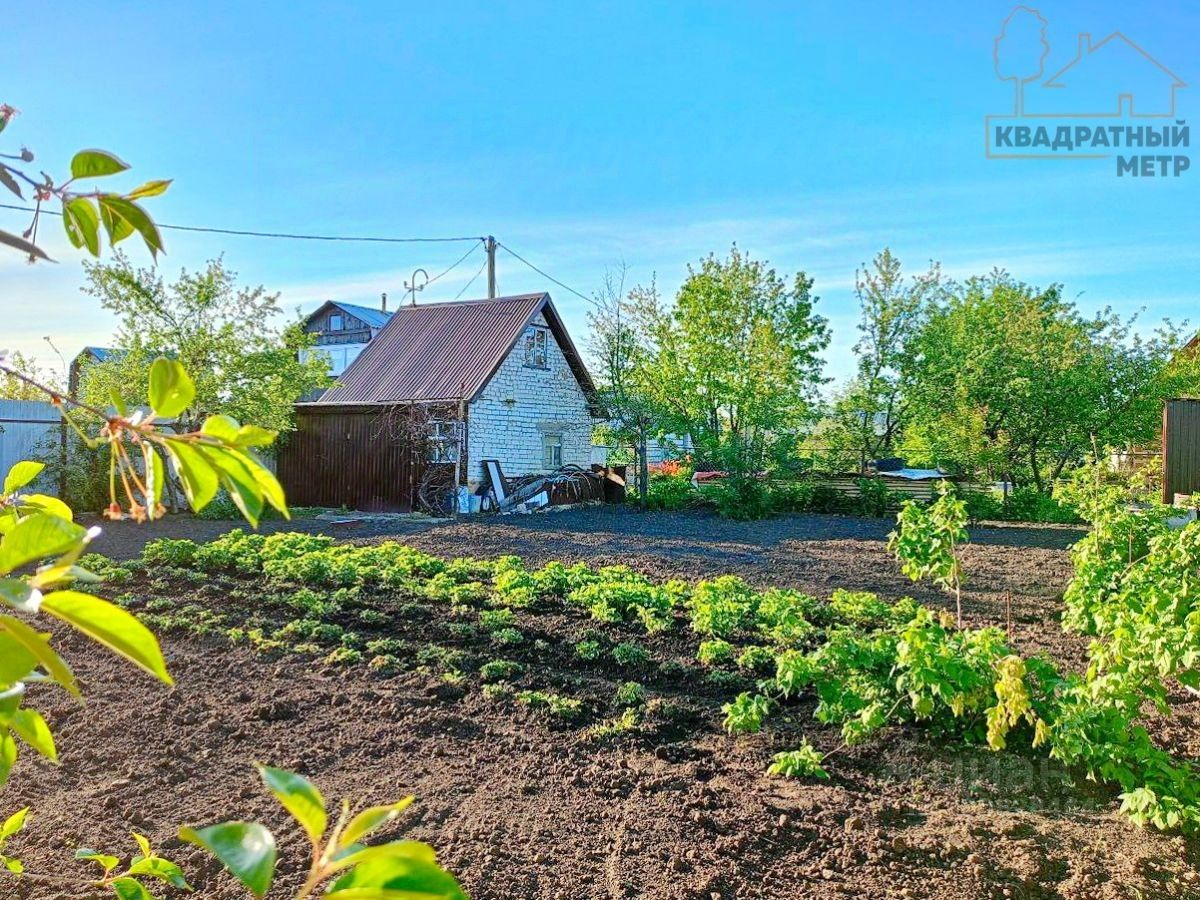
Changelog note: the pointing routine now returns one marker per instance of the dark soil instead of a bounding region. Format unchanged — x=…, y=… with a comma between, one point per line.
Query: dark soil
x=520, y=805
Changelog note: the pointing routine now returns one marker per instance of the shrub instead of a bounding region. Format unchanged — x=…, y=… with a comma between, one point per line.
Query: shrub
x=875, y=499
x=1028, y=504
x=670, y=492
x=742, y=497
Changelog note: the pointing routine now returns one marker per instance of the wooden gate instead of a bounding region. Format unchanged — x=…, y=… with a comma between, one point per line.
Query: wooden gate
x=358, y=457
x=1181, y=448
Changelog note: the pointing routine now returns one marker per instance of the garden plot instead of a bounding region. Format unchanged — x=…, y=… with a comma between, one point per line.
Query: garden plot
x=566, y=727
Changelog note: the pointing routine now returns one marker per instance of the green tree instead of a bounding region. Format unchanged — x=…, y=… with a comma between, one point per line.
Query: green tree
x=736, y=360
x=13, y=388
x=246, y=366
x=867, y=416
x=1013, y=380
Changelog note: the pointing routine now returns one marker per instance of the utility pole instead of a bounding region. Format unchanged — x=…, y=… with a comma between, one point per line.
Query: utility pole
x=490, y=245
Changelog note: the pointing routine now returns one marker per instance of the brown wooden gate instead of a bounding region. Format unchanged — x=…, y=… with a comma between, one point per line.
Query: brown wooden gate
x=358, y=457
x=1181, y=448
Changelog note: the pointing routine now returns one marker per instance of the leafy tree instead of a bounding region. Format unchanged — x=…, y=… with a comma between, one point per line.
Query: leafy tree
x=245, y=365
x=1025, y=385
x=736, y=359
x=620, y=344
x=13, y=388
x=868, y=414
x=1020, y=51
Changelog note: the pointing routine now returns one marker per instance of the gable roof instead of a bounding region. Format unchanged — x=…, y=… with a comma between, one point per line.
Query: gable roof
x=448, y=351
x=375, y=318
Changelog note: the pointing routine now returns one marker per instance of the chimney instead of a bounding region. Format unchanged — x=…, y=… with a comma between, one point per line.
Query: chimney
x=1085, y=45
x=383, y=302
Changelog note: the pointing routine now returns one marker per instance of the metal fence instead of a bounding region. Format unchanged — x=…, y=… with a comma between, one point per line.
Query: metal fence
x=28, y=428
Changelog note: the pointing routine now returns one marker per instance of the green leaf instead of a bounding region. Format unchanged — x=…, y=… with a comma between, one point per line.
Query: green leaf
x=111, y=626
x=408, y=876
x=106, y=861
x=299, y=797
x=82, y=224
x=246, y=849
x=162, y=869
x=171, y=388
x=16, y=663
x=238, y=480
x=143, y=844
x=33, y=730
x=51, y=506
x=37, y=537
x=118, y=229
x=135, y=218
x=200, y=481
x=357, y=854
x=19, y=243
x=156, y=477
x=9, y=182
x=129, y=889
x=38, y=646
x=370, y=819
x=95, y=163
x=22, y=474
x=13, y=824
x=8, y=754
x=149, y=189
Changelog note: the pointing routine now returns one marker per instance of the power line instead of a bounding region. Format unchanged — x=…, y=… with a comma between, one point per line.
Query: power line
x=565, y=287
x=455, y=265
x=283, y=235
x=472, y=281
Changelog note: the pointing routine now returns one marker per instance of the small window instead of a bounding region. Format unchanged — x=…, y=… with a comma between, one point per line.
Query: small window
x=443, y=441
x=551, y=451
x=535, y=348
x=337, y=322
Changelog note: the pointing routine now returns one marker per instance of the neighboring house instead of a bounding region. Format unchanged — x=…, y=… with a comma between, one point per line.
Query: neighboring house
x=495, y=379
x=86, y=357
x=342, y=332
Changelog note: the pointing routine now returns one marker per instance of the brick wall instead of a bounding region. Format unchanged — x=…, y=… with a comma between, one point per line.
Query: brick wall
x=520, y=405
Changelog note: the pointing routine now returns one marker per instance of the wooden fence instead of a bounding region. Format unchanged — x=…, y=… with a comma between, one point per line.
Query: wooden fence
x=28, y=429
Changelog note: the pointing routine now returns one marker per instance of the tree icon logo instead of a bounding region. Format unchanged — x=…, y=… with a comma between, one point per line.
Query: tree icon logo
x=1020, y=50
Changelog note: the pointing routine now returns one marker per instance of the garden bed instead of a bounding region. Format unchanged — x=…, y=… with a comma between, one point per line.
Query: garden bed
x=540, y=789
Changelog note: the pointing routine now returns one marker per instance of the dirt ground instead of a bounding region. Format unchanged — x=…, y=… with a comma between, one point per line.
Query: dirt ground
x=521, y=808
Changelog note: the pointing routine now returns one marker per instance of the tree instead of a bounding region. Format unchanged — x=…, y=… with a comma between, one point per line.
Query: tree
x=621, y=347
x=246, y=366
x=736, y=360
x=1020, y=50
x=1026, y=385
x=13, y=388
x=869, y=413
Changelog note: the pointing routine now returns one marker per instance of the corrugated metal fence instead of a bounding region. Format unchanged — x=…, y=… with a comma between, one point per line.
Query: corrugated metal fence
x=1181, y=448
x=28, y=429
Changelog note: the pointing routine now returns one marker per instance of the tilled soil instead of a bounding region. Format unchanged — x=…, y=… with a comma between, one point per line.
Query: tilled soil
x=519, y=807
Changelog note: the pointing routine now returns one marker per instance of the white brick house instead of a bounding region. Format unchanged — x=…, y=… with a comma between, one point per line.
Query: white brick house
x=503, y=370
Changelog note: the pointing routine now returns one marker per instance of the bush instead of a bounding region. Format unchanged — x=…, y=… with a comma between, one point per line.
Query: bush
x=875, y=499
x=1028, y=504
x=743, y=498
x=667, y=492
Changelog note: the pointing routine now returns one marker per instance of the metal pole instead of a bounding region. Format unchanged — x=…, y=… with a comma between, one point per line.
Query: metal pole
x=490, y=245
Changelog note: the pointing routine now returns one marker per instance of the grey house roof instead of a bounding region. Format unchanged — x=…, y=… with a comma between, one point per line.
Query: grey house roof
x=447, y=351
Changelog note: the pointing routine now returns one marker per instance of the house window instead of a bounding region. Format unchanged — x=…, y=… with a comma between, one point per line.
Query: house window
x=337, y=322
x=551, y=451
x=535, y=348
x=443, y=442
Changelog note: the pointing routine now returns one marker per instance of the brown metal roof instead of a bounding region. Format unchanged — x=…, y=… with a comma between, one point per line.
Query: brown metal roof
x=446, y=351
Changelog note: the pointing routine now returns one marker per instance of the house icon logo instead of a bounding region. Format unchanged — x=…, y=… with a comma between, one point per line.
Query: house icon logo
x=1111, y=99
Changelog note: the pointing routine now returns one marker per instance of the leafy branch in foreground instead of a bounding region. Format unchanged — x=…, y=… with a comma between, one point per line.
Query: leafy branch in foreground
x=83, y=212
x=341, y=863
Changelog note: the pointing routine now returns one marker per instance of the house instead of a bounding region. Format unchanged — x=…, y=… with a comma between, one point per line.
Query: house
x=1110, y=77
x=445, y=385
x=342, y=331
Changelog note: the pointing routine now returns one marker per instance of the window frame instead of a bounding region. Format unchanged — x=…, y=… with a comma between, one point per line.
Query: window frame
x=533, y=335
x=551, y=451
x=337, y=322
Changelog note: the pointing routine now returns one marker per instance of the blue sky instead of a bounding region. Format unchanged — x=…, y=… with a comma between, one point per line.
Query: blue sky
x=585, y=136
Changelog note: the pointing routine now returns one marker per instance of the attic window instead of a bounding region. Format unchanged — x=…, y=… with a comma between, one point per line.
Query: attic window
x=535, y=348
x=337, y=322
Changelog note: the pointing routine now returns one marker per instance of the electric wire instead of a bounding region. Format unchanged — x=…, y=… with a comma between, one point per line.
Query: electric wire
x=544, y=274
